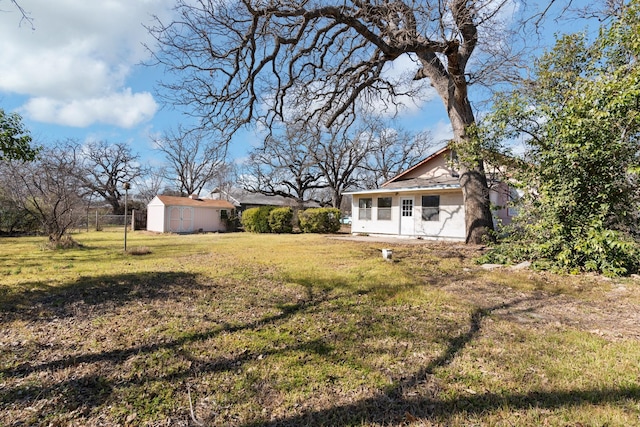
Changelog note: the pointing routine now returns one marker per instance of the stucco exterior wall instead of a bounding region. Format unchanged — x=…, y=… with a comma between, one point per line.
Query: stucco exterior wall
x=179, y=218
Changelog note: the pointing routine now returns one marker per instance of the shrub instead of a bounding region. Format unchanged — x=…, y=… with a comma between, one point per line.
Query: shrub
x=256, y=220
x=139, y=250
x=281, y=220
x=320, y=220
x=230, y=219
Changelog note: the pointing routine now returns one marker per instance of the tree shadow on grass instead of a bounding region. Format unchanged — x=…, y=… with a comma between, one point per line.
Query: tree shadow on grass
x=394, y=406
x=88, y=295
x=88, y=388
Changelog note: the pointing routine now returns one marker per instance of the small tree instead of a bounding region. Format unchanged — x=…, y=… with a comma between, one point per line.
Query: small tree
x=48, y=189
x=256, y=220
x=281, y=220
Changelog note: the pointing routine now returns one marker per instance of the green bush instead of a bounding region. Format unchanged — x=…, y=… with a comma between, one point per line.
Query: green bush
x=592, y=249
x=281, y=220
x=256, y=220
x=320, y=220
x=230, y=219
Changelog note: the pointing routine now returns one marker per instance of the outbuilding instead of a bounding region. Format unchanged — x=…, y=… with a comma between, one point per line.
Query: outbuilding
x=187, y=214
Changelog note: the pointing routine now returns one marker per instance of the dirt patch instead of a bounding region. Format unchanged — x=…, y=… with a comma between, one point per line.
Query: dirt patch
x=611, y=317
x=598, y=305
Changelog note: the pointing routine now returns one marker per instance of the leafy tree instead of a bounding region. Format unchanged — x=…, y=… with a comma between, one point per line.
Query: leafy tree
x=256, y=220
x=15, y=140
x=281, y=220
x=242, y=61
x=320, y=220
x=581, y=117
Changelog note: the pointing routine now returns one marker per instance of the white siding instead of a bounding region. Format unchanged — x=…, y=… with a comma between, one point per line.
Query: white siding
x=450, y=225
x=155, y=216
x=207, y=219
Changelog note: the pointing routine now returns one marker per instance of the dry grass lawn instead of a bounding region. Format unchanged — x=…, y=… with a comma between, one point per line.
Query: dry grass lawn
x=290, y=330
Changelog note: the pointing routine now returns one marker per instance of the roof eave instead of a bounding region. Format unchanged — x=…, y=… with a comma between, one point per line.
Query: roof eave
x=404, y=190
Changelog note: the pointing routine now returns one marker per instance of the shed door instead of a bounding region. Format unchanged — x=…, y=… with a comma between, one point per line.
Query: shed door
x=187, y=220
x=180, y=219
x=407, y=222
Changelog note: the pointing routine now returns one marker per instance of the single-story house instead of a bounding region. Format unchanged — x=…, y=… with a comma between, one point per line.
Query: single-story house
x=243, y=199
x=187, y=214
x=424, y=201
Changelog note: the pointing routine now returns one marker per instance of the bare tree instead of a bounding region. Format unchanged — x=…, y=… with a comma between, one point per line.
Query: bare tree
x=393, y=151
x=283, y=166
x=103, y=168
x=151, y=184
x=48, y=189
x=193, y=160
x=339, y=157
x=242, y=61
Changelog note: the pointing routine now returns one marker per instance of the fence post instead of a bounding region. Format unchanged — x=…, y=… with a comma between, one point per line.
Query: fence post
x=133, y=220
x=97, y=220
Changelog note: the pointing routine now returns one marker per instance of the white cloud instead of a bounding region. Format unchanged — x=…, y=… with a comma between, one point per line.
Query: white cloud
x=123, y=109
x=441, y=132
x=73, y=68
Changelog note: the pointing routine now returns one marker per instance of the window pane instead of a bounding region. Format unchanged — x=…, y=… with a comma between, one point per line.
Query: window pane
x=407, y=207
x=384, y=208
x=364, y=211
x=384, y=202
x=365, y=203
x=431, y=208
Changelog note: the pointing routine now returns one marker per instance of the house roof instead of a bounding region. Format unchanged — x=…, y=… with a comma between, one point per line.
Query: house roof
x=187, y=201
x=442, y=181
x=408, y=189
x=239, y=197
x=401, y=183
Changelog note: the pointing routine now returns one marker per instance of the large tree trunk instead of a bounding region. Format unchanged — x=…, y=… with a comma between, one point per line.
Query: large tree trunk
x=473, y=180
x=451, y=85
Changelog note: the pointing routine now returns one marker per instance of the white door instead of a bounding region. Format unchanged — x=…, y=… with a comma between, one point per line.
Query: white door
x=407, y=221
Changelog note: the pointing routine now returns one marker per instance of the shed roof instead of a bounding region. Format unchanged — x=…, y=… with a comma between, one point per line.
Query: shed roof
x=203, y=203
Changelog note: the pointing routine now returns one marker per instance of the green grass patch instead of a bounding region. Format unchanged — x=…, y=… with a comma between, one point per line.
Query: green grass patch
x=265, y=330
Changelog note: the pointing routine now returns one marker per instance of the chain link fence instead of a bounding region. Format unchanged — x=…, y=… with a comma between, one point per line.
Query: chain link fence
x=96, y=221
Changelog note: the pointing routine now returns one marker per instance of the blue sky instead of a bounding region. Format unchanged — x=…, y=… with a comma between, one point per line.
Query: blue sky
x=77, y=74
